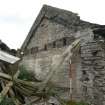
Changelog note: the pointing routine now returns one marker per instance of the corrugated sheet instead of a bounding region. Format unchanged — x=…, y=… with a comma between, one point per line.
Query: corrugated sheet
x=8, y=58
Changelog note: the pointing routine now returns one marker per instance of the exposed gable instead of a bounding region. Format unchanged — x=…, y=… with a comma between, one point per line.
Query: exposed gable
x=60, y=16
x=66, y=18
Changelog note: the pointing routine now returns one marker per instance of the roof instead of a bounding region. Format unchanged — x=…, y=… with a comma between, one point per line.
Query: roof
x=59, y=15
x=64, y=17
x=8, y=58
x=4, y=47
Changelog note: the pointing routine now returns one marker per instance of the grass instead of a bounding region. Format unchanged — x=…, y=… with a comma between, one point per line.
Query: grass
x=7, y=101
x=25, y=74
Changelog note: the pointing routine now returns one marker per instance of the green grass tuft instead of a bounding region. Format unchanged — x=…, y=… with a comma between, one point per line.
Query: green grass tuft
x=25, y=74
x=7, y=101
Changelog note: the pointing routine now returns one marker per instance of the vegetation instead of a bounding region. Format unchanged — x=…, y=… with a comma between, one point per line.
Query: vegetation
x=24, y=74
x=7, y=101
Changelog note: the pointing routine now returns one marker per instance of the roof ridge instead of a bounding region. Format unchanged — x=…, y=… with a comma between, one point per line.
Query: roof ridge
x=61, y=16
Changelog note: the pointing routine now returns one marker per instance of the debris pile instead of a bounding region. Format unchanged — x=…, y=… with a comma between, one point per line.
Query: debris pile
x=19, y=89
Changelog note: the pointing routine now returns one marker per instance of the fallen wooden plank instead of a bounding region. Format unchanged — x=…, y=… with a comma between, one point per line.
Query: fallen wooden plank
x=5, y=76
x=5, y=91
x=15, y=100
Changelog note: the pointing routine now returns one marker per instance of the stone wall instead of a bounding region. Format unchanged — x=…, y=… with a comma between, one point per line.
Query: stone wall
x=52, y=34
x=93, y=72
x=40, y=64
x=48, y=32
x=49, y=41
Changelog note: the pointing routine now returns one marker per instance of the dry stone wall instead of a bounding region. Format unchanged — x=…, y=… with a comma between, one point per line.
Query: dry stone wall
x=93, y=72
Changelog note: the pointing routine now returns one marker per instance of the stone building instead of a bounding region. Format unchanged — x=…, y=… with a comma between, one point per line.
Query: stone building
x=52, y=32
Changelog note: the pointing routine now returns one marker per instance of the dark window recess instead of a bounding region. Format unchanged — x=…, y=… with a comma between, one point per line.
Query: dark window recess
x=34, y=50
x=42, y=25
x=53, y=104
x=86, y=79
x=59, y=43
x=84, y=89
x=84, y=72
x=54, y=44
x=26, y=52
x=96, y=36
x=64, y=42
x=45, y=47
x=49, y=46
x=95, y=53
x=85, y=76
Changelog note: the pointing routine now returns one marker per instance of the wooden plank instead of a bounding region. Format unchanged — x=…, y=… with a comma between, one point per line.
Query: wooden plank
x=8, y=58
x=5, y=91
x=5, y=76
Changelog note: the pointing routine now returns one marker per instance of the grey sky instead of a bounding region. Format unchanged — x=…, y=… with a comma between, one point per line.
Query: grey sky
x=17, y=16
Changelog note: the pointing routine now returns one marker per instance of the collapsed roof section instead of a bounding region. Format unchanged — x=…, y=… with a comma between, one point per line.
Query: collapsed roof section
x=5, y=54
x=8, y=58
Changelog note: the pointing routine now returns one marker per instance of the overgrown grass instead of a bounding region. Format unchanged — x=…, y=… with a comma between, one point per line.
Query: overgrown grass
x=25, y=74
x=7, y=101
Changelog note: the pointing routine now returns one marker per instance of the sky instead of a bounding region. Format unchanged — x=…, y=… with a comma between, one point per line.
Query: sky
x=17, y=16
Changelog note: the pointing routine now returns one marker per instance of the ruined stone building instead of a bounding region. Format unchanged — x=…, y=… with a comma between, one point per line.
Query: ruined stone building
x=52, y=32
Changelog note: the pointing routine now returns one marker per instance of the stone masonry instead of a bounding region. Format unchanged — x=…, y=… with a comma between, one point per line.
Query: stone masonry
x=93, y=72
x=52, y=32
